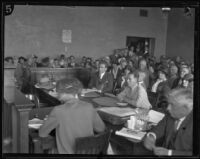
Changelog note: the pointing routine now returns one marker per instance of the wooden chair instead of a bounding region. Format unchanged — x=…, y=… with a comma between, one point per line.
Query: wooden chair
x=96, y=144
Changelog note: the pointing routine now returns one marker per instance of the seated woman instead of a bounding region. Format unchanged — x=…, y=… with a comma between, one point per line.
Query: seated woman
x=134, y=94
x=179, y=80
x=121, y=82
x=161, y=87
x=73, y=119
x=188, y=82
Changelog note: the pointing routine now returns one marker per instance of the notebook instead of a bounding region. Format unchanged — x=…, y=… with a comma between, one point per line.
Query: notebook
x=138, y=135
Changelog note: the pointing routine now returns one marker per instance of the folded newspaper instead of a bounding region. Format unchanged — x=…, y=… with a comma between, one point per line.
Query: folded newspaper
x=138, y=135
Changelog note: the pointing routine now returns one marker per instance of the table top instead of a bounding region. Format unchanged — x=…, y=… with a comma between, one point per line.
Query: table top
x=103, y=100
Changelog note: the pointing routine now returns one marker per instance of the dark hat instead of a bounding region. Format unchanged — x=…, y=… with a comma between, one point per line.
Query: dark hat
x=164, y=70
x=69, y=85
x=189, y=77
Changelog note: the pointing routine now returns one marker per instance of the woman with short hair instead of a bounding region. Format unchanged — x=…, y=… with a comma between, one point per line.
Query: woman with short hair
x=72, y=119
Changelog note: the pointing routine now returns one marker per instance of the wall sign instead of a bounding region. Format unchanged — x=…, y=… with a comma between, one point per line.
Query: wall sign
x=66, y=36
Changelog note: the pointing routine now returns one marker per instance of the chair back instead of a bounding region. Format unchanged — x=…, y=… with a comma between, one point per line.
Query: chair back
x=96, y=144
x=153, y=99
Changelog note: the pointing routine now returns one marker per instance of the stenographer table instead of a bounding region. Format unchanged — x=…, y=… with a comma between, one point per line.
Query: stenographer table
x=114, y=114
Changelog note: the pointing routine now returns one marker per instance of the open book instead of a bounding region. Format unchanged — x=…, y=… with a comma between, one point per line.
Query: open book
x=155, y=116
x=138, y=135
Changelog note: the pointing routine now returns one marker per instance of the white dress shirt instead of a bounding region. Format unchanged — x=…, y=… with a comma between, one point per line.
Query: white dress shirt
x=101, y=75
x=155, y=85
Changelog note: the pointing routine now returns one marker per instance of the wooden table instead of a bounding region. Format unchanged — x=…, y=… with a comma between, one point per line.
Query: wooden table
x=114, y=138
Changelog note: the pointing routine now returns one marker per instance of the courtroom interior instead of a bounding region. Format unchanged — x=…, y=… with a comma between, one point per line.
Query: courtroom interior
x=101, y=80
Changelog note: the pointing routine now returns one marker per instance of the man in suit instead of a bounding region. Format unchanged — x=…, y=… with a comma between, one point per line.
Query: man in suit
x=176, y=129
x=72, y=119
x=102, y=80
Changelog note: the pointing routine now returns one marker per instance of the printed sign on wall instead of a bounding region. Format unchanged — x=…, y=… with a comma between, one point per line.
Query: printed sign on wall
x=67, y=36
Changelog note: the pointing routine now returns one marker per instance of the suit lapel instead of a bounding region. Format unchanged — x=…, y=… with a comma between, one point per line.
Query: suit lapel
x=185, y=122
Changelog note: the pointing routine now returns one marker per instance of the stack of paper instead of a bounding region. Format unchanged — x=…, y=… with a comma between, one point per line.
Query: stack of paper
x=121, y=112
x=155, y=116
x=131, y=133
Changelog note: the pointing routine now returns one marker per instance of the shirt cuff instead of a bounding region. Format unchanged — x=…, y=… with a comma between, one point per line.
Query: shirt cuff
x=151, y=133
x=169, y=152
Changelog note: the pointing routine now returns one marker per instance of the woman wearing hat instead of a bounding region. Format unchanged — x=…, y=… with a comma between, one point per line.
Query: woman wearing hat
x=161, y=86
x=188, y=81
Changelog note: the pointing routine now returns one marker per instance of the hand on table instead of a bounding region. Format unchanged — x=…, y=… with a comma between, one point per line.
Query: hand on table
x=160, y=151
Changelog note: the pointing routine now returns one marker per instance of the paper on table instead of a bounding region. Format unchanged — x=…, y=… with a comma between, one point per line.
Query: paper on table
x=130, y=134
x=84, y=91
x=155, y=116
x=121, y=112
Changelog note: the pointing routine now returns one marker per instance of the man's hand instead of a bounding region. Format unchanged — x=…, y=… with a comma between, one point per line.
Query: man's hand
x=149, y=142
x=160, y=151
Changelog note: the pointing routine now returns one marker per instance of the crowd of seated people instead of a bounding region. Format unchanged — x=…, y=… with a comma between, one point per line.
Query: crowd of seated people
x=155, y=76
x=128, y=75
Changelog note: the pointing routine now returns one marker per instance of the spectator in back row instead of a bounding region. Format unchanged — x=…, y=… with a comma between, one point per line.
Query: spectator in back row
x=178, y=82
x=173, y=74
x=19, y=72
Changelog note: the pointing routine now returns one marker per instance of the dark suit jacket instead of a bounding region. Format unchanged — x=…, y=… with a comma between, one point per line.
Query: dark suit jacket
x=183, y=143
x=106, y=82
x=176, y=82
x=163, y=88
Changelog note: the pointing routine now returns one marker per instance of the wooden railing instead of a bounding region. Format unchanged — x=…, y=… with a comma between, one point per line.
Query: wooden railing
x=20, y=107
x=56, y=74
